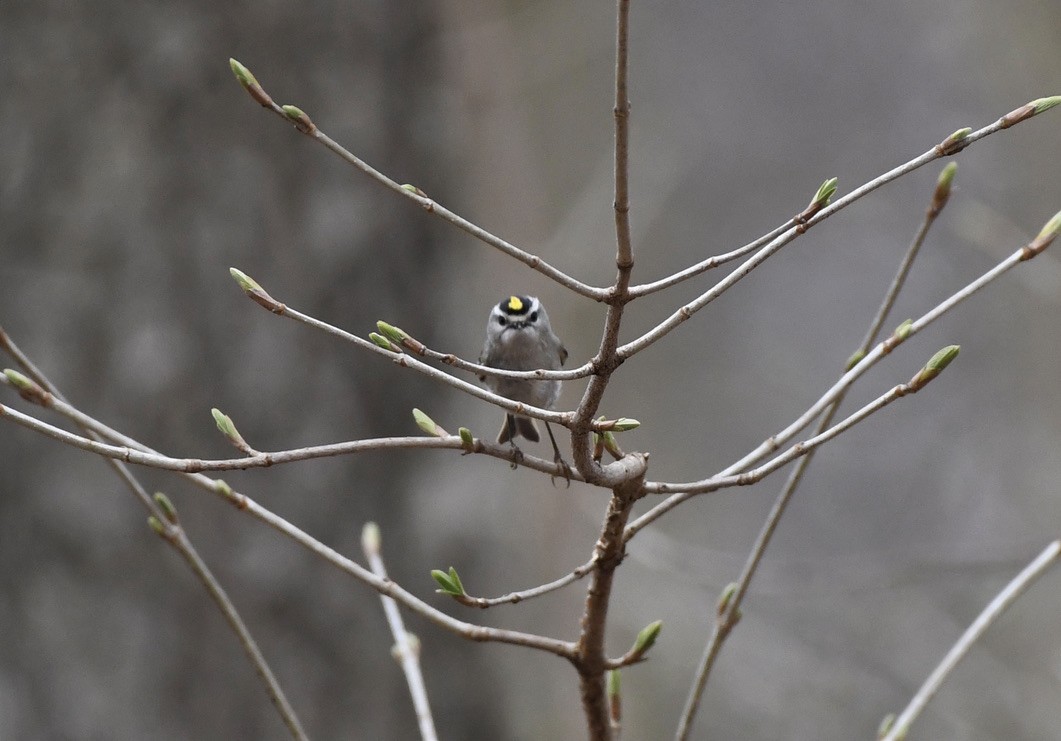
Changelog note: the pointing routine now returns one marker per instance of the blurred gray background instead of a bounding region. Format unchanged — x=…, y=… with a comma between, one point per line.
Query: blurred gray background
x=134, y=171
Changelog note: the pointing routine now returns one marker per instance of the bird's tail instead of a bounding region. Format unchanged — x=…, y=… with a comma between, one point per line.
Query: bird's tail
x=515, y=426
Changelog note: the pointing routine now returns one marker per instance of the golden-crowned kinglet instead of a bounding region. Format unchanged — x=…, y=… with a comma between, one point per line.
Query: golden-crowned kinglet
x=519, y=337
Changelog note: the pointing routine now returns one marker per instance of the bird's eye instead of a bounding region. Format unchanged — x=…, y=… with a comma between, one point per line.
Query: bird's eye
x=501, y=321
x=534, y=316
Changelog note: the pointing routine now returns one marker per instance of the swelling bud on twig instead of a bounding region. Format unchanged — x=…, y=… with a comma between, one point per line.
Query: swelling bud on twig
x=226, y=491
x=450, y=582
x=935, y=366
x=955, y=142
x=605, y=441
x=623, y=424
x=250, y=84
x=224, y=423
x=167, y=507
x=821, y=199
x=392, y=333
x=825, y=192
x=943, y=185
x=27, y=388
x=414, y=190
x=1028, y=110
x=383, y=342
x=645, y=640
x=228, y=429
x=724, y=599
x=1045, y=104
x=1046, y=235
x=298, y=117
x=467, y=441
x=855, y=359
x=612, y=446
x=885, y=726
x=411, y=644
x=255, y=291
x=370, y=539
x=399, y=336
x=898, y=335
x=428, y=425
x=615, y=697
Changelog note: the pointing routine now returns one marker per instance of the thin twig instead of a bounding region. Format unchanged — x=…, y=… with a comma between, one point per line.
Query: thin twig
x=755, y=475
x=470, y=631
x=513, y=598
x=685, y=312
x=770, y=445
x=606, y=361
x=303, y=124
x=624, y=256
x=994, y=609
x=405, y=360
x=729, y=613
x=580, y=421
x=654, y=487
x=644, y=289
x=940, y=196
x=174, y=534
x=406, y=645
x=130, y=451
x=245, y=504
x=572, y=374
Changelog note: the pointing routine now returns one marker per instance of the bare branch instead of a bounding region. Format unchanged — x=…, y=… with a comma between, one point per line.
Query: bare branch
x=406, y=645
x=753, y=476
x=945, y=148
x=405, y=360
x=940, y=196
x=770, y=445
x=686, y=312
x=710, y=263
x=130, y=451
x=516, y=597
x=302, y=122
x=730, y=610
x=389, y=588
x=994, y=609
x=244, y=503
x=606, y=360
x=174, y=534
x=624, y=256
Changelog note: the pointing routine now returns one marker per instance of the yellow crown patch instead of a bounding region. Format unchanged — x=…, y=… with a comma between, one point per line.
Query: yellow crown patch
x=515, y=303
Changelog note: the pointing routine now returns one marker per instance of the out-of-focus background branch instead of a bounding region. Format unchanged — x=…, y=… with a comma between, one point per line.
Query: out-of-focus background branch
x=134, y=172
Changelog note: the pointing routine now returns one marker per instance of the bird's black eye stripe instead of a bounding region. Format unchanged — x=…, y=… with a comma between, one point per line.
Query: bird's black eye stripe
x=534, y=316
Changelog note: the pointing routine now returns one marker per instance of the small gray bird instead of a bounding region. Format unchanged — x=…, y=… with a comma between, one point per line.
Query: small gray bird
x=519, y=337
